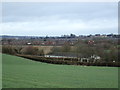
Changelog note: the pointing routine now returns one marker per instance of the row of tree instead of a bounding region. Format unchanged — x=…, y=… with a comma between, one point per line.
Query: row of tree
x=107, y=51
x=28, y=50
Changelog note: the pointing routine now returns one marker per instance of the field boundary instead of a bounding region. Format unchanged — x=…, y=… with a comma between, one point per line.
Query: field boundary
x=67, y=61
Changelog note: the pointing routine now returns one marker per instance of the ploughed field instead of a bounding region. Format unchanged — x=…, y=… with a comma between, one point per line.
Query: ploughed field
x=23, y=73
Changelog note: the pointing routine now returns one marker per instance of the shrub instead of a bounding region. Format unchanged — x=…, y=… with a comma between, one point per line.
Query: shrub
x=8, y=50
x=30, y=50
x=18, y=49
x=41, y=52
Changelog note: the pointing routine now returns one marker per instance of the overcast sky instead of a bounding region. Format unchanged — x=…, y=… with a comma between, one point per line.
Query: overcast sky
x=54, y=19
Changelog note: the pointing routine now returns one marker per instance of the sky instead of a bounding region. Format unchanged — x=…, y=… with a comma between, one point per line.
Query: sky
x=56, y=19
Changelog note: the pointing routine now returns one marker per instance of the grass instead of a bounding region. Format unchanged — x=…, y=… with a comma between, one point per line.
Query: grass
x=22, y=73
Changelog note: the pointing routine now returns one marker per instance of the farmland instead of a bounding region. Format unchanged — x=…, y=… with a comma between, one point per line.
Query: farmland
x=22, y=73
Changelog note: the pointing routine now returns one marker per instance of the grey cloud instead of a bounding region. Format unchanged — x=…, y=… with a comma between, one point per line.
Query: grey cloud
x=59, y=18
x=14, y=11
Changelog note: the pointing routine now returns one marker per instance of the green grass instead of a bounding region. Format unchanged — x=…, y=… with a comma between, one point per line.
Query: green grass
x=22, y=73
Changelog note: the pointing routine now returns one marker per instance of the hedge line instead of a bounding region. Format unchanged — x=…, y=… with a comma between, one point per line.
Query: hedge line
x=68, y=61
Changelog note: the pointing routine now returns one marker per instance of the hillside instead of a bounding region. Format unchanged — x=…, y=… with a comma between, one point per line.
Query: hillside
x=22, y=73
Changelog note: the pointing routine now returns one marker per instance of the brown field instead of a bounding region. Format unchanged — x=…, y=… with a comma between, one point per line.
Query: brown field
x=46, y=49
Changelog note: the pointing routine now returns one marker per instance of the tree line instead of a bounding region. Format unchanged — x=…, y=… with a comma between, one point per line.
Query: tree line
x=28, y=50
x=107, y=50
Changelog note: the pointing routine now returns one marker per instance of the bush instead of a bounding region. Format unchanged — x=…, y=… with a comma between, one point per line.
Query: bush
x=8, y=50
x=41, y=52
x=30, y=50
x=18, y=49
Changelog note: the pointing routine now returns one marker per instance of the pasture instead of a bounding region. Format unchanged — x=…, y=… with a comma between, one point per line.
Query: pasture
x=23, y=73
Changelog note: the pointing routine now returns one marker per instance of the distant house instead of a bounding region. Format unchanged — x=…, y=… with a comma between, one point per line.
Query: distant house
x=93, y=58
x=84, y=59
x=29, y=43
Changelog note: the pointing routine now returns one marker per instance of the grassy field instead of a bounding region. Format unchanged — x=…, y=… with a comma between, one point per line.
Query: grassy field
x=22, y=73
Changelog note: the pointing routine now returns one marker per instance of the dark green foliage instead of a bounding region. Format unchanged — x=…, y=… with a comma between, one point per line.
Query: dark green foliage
x=107, y=49
x=69, y=61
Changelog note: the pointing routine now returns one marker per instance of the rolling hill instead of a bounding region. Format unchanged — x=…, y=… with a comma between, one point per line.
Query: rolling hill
x=23, y=73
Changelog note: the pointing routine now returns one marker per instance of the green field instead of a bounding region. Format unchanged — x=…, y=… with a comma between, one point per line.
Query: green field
x=23, y=73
